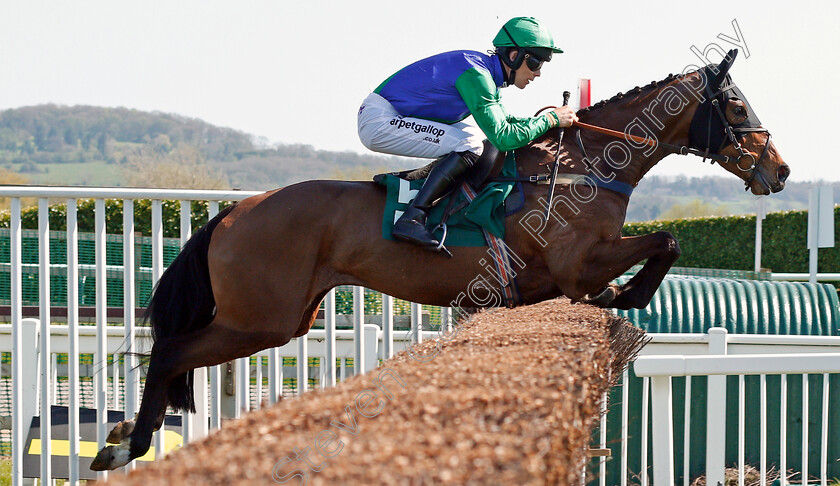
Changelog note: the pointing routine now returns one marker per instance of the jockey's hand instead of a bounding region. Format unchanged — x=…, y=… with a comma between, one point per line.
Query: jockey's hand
x=566, y=115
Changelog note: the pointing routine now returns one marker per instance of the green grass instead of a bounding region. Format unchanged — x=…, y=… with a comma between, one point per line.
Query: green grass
x=98, y=173
x=6, y=474
x=5, y=471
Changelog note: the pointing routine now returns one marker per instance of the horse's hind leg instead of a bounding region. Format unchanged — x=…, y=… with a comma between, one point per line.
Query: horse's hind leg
x=125, y=427
x=173, y=357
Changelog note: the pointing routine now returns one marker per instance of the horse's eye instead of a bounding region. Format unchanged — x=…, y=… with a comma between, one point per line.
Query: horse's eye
x=740, y=111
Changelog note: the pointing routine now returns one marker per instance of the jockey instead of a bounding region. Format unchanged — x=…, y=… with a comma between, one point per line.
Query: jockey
x=418, y=112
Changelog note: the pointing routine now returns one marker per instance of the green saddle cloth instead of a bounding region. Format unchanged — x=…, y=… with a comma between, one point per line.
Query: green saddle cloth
x=464, y=227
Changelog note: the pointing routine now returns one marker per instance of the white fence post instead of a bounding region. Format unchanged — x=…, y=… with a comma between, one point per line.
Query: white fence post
x=824, y=430
x=783, y=429
x=157, y=271
x=19, y=393
x=73, y=338
x=625, y=399
x=387, y=326
x=663, y=431
x=329, y=331
x=29, y=378
x=358, y=329
x=303, y=364
x=132, y=381
x=416, y=322
x=258, y=376
x=760, y=214
x=716, y=414
x=371, y=347
x=44, y=350
x=644, y=439
x=215, y=372
x=805, y=429
x=275, y=375
x=243, y=386
x=101, y=356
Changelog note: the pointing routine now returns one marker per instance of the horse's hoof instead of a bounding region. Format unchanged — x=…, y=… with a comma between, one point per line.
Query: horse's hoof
x=120, y=432
x=604, y=298
x=111, y=457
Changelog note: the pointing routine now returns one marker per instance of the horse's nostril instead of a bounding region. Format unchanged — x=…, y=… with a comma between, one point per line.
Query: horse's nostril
x=783, y=172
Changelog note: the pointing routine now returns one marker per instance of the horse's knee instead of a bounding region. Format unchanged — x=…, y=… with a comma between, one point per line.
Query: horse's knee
x=670, y=246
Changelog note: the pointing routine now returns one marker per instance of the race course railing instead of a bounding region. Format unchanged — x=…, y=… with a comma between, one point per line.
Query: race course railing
x=324, y=357
x=816, y=359
x=27, y=339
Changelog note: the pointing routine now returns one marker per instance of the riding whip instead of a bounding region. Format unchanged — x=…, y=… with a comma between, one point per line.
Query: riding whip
x=566, y=96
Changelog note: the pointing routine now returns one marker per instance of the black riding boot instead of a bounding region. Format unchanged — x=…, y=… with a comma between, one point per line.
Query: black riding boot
x=411, y=226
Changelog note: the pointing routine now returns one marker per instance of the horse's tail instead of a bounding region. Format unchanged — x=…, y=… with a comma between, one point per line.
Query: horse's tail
x=182, y=302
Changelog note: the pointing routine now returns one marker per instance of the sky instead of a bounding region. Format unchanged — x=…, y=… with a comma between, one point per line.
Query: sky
x=297, y=71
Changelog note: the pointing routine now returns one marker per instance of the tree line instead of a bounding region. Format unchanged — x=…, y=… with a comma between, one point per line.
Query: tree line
x=56, y=134
x=153, y=149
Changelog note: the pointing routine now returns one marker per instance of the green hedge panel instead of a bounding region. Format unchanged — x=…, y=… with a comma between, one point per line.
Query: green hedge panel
x=729, y=242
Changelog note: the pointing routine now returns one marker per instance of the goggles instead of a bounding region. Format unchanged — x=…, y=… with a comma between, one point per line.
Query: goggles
x=533, y=62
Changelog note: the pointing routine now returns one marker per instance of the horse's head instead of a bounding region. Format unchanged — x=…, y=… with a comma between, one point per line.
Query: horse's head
x=725, y=124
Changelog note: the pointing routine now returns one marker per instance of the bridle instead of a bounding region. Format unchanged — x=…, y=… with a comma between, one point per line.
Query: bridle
x=714, y=125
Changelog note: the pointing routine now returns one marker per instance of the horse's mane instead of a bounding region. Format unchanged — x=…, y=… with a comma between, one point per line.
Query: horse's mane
x=549, y=136
x=635, y=91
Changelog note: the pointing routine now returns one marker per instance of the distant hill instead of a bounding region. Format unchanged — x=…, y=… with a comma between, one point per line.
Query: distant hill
x=655, y=195
x=86, y=145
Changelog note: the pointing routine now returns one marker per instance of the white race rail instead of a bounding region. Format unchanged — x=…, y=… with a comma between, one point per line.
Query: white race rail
x=803, y=277
x=813, y=358
x=38, y=339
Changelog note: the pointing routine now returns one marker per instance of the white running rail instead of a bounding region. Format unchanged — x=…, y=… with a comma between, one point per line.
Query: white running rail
x=34, y=343
x=660, y=369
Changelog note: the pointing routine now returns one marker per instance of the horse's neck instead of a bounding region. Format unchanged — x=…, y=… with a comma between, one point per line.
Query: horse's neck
x=663, y=112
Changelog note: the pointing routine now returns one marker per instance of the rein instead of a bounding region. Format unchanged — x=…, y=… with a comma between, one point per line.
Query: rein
x=677, y=149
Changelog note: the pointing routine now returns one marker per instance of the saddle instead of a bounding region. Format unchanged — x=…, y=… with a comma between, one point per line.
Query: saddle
x=490, y=185
x=465, y=217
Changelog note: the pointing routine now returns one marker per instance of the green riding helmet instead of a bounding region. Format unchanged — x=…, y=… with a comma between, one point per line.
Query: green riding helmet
x=528, y=36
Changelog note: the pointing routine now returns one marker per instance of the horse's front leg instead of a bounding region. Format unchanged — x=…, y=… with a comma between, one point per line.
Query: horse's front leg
x=610, y=259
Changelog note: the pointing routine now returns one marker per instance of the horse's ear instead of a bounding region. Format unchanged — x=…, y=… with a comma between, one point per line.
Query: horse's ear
x=723, y=67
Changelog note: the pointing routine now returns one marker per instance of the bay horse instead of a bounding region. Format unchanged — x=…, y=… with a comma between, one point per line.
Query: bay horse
x=255, y=275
